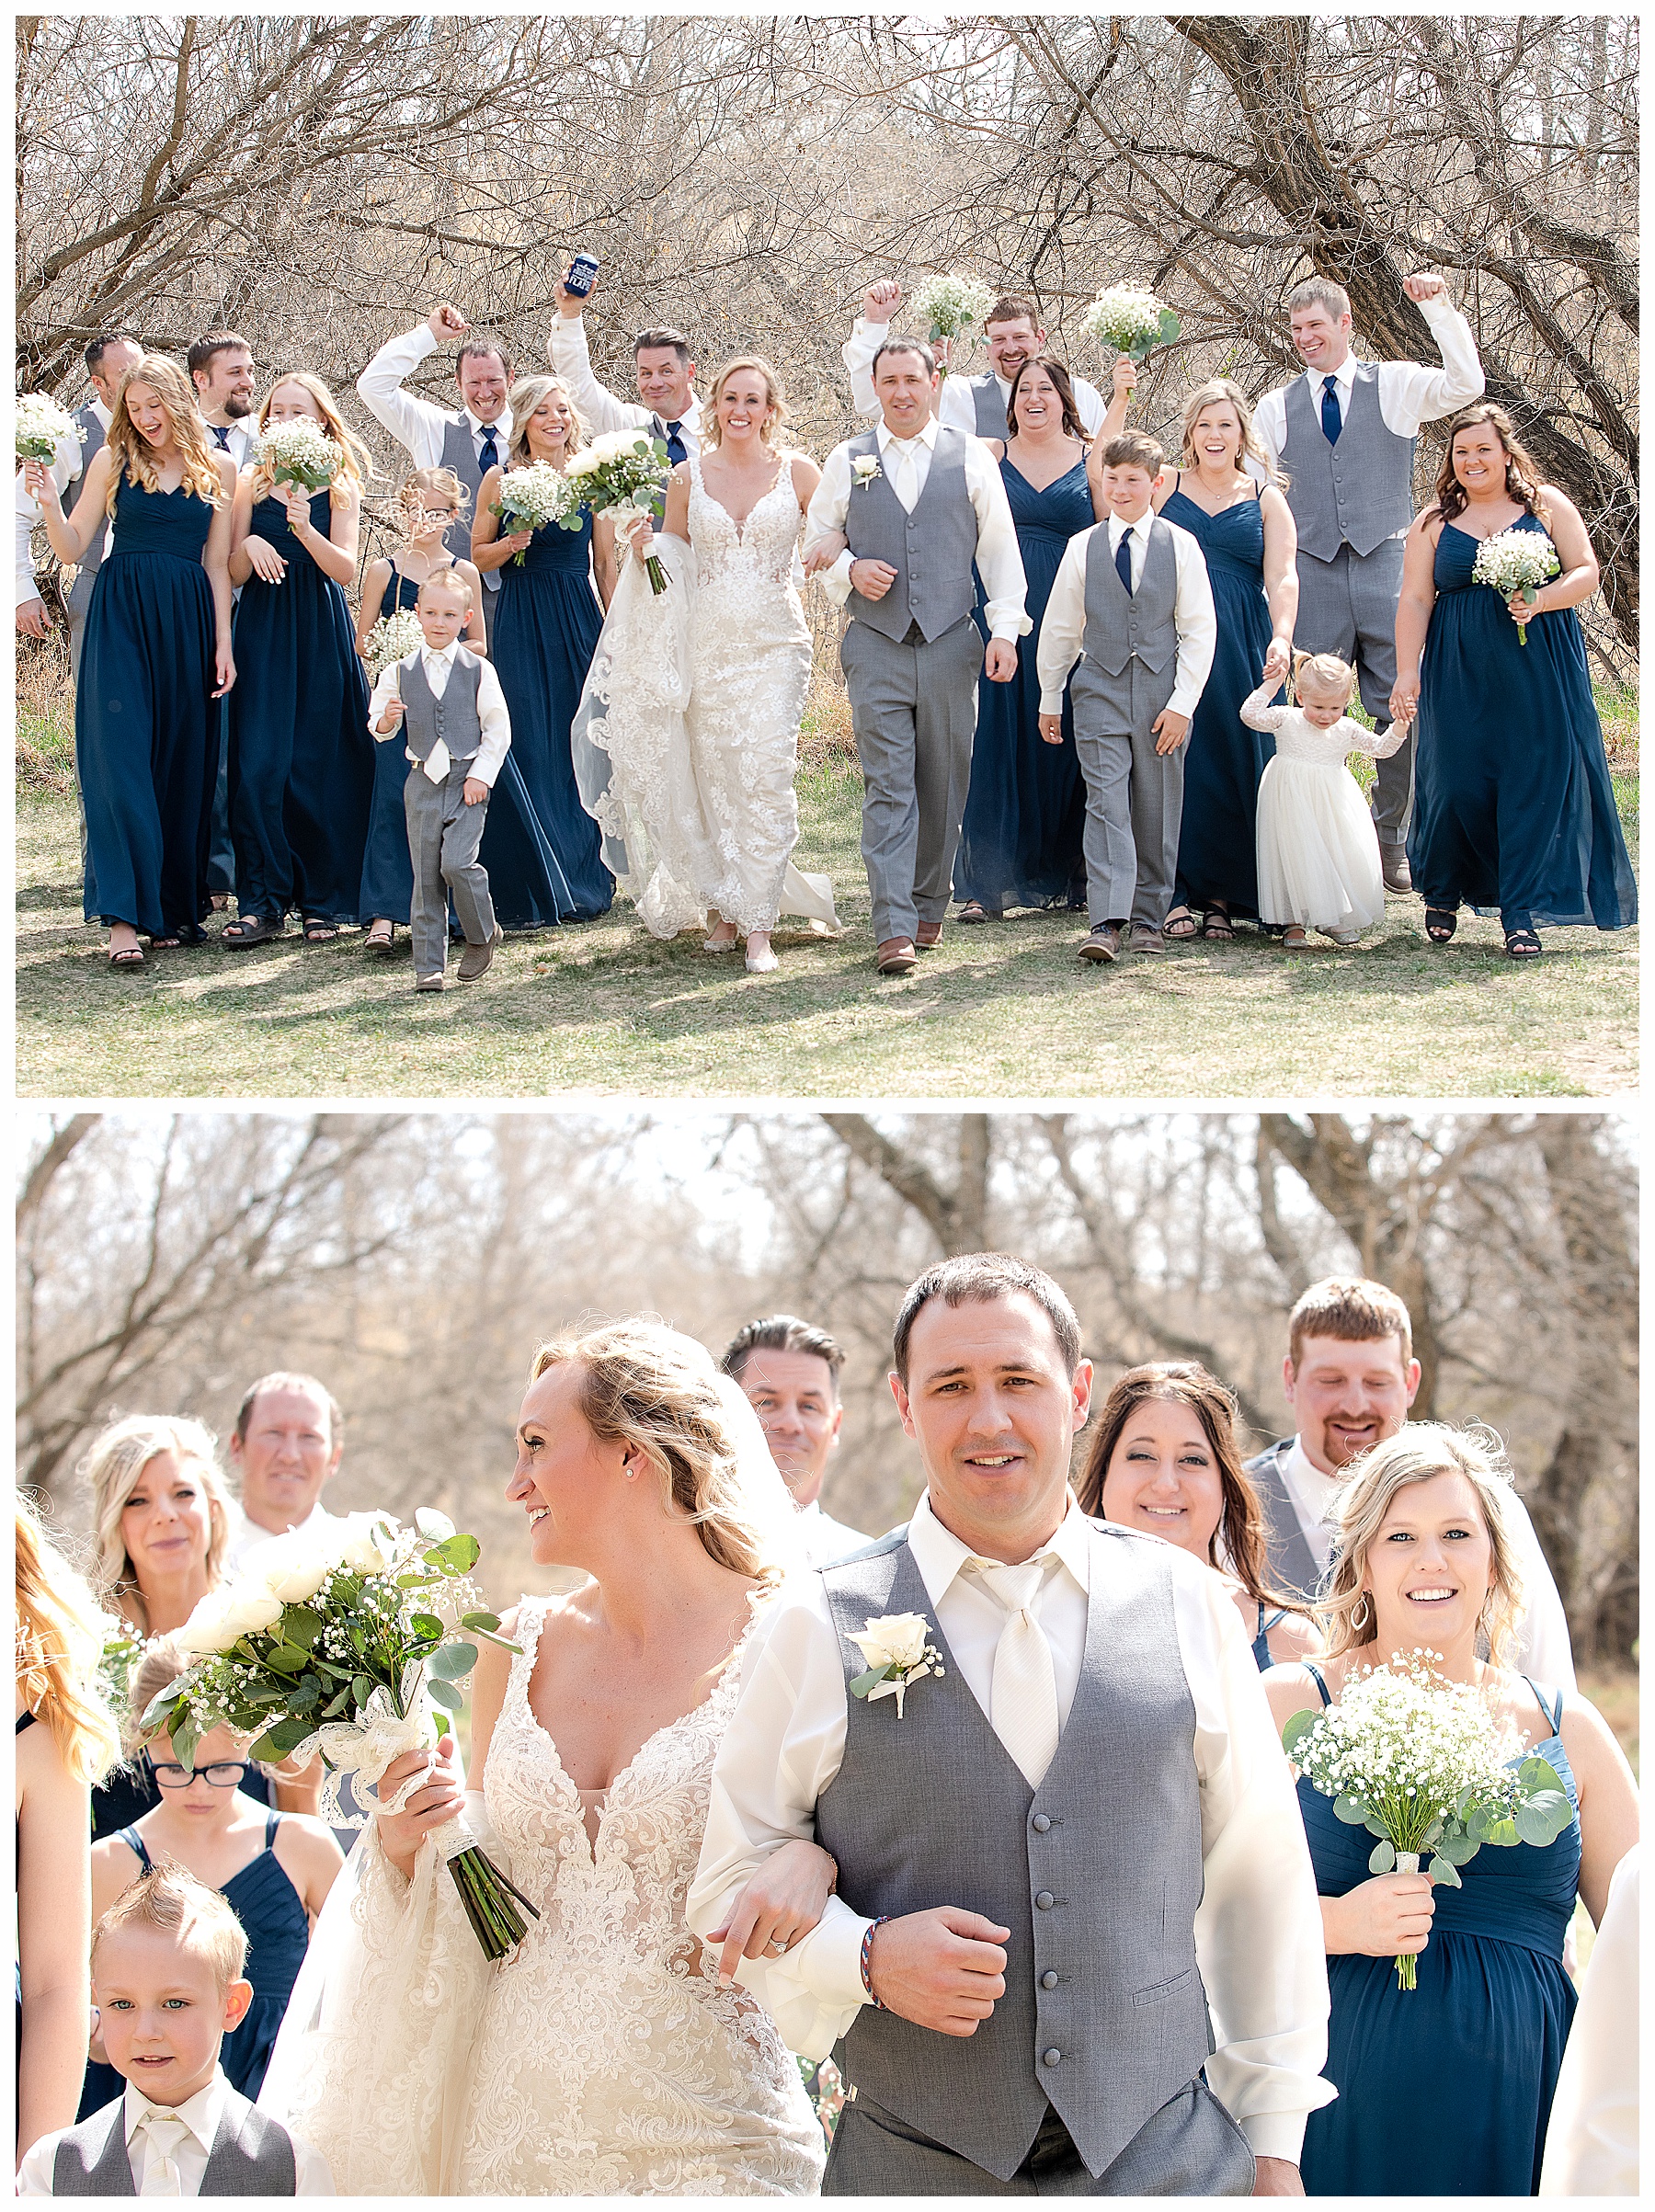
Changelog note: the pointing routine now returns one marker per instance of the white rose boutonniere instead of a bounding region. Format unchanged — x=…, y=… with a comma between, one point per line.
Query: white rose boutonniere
x=864, y=469
x=895, y=1645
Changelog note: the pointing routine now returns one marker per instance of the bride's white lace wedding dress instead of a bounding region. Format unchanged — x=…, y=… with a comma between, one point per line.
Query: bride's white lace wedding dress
x=603, y=2059
x=687, y=740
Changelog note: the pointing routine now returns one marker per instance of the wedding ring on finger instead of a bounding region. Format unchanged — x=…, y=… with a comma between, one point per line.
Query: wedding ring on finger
x=776, y=1946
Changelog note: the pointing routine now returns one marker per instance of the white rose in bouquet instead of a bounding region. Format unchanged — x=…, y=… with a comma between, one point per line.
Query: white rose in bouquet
x=226, y=1614
x=363, y=1543
x=291, y=1568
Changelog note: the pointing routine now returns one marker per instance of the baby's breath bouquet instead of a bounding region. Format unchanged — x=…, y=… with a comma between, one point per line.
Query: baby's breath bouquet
x=947, y=305
x=1516, y=563
x=530, y=497
x=345, y=1644
x=393, y=638
x=620, y=474
x=122, y=1649
x=42, y=425
x=1424, y=1764
x=301, y=452
x=1124, y=318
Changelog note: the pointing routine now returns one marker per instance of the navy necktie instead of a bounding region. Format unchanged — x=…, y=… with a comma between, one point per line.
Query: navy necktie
x=1331, y=421
x=222, y=434
x=675, y=448
x=1124, y=561
x=490, y=453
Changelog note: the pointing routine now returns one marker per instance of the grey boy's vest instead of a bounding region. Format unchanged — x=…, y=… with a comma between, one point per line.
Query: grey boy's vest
x=1098, y=1873
x=990, y=403
x=460, y=455
x=92, y=559
x=932, y=550
x=453, y=717
x=1120, y=623
x=1292, y=1563
x=252, y=2155
x=1357, y=493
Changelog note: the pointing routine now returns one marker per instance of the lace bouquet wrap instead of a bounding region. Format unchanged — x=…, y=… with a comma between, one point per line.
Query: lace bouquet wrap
x=393, y=638
x=532, y=496
x=42, y=427
x=620, y=474
x=300, y=453
x=947, y=305
x=1125, y=319
x=336, y=1644
x=1516, y=563
x=1424, y=1765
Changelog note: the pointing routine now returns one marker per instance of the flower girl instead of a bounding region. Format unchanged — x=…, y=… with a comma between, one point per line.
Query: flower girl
x=1318, y=853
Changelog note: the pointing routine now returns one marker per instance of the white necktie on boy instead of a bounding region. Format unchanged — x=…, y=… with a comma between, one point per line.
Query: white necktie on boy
x=164, y=2133
x=437, y=667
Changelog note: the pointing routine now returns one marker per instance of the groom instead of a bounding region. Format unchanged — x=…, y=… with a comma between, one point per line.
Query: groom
x=1072, y=1875
x=918, y=505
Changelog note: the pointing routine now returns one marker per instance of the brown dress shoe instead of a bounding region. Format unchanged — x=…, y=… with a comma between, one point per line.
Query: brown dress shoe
x=927, y=935
x=430, y=983
x=1394, y=868
x=475, y=960
x=1102, y=943
x=896, y=956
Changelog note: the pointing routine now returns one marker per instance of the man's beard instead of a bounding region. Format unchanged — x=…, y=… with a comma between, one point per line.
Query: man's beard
x=238, y=405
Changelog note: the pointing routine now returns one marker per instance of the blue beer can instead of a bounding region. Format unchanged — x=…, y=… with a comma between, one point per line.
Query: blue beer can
x=582, y=270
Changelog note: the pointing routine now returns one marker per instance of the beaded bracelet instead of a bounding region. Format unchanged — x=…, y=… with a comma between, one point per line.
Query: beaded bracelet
x=867, y=1954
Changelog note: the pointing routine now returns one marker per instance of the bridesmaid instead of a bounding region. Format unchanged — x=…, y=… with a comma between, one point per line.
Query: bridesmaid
x=1020, y=839
x=542, y=850
x=1513, y=807
x=429, y=501
x=156, y=654
x=301, y=760
x=1470, y=2058
x=1247, y=532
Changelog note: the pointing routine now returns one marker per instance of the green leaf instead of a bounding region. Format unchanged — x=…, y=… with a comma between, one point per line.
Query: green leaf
x=1383, y=1857
x=265, y=1747
x=457, y=1555
x=1538, y=1777
x=300, y=1626
x=361, y=1689
x=452, y=1662
x=1445, y=1871
x=162, y=1709
x=1298, y=1729
x=479, y=1620
x=287, y=1659
x=1503, y=1832
x=504, y=1643
x=337, y=1705
x=265, y=1693
x=1170, y=327
x=306, y=1697
x=285, y=1734
x=1458, y=1850
x=1349, y=1812
x=1542, y=1819
x=864, y=1683
x=446, y=1693
x=185, y=1734
x=427, y=1624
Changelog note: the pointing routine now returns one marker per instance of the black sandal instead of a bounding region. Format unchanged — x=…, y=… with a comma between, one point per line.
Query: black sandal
x=250, y=929
x=1179, y=926
x=1215, y=926
x=1521, y=944
x=1441, y=922
x=319, y=930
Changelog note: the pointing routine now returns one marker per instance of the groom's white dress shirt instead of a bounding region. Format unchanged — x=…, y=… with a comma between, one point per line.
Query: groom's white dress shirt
x=907, y=462
x=1259, y=1930
x=599, y=407
x=67, y=463
x=826, y=1539
x=956, y=410
x=1064, y=628
x=246, y=1534
x=493, y=719
x=199, y=2115
x=417, y=422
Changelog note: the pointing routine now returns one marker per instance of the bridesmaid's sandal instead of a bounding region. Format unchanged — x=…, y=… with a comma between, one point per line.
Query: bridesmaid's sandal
x=166, y=944
x=1215, y=927
x=1521, y=944
x=319, y=932
x=126, y=956
x=1180, y=925
x=974, y=911
x=1441, y=922
x=250, y=929
x=380, y=937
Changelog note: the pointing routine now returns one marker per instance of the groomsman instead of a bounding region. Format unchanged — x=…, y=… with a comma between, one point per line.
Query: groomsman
x=286, y=1446
x=470, y=440
x=974, y=404
x=1350, y=1375
x=918, y=504
x=667, y=404
x=1344, y=435
x=789, y=1372
x=221, y=368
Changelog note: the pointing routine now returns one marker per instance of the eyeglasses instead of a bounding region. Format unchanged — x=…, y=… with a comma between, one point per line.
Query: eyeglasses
x=222, y=1774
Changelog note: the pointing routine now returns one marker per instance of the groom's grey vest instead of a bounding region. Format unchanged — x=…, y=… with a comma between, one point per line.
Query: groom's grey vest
x=92, y=559
x=460, y=455
x=1357, y=493
x=453, y=717
x=1098, y=1873
x=932, y=550
x=252, y=2155
x=1292, y=1563
x=1120, y=623
x=989, y=401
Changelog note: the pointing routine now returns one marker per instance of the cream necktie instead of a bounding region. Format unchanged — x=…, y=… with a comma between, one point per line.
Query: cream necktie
x=1023, y=1701
x=165, y=2132
x=437, y=762
x=906, y=482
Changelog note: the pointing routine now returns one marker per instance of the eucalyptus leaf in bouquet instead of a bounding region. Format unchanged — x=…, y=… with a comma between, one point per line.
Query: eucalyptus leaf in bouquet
x=622, y=473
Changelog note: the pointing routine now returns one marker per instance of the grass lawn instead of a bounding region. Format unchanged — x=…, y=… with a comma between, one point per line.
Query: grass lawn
x=1002, y=1011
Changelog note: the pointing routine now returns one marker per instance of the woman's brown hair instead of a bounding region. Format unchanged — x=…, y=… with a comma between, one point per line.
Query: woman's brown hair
x=1072, y=424
x=1522, y=472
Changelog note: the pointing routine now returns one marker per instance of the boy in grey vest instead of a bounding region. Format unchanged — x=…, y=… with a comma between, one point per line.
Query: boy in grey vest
x=1133, y=593
x=179, y=2129
x=458, y=732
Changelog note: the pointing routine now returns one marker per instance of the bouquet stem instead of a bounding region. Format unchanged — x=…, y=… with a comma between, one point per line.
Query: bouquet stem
x=655, y=572
x=1407, y=1862
x=486, y=1893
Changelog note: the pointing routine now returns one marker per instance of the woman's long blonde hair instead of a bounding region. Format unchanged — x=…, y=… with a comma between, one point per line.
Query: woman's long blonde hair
x=711, y=435
x=60, y=1641
x=525, y=397
x=113, y=1466
x=357, y=468
x=1214, y=392
x=1417, y=1454
x=133, y=457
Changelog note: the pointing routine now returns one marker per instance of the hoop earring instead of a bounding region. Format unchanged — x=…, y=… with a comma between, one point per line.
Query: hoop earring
x=1363, y=1622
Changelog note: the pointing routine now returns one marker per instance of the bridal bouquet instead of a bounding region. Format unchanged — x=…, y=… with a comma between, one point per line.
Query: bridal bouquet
x=947, y=305
x=1125, y=319
x=393, y=638
x=1424, y=1765
x=532, y=497
x=345, y=1644
x=42, y=425
x=620, y=474
x=1516, y=563
x=300, y=453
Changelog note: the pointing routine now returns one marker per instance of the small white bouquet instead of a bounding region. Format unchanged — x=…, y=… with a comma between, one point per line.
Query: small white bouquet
x=301, y=452
x=898, y=1651
x=42, y=425
x=620, y=473
x=948, y=304
x=338, y=1644
x=1424, y=1765
x=533, y=496
x=391, y=639
x=1124, y=318
x=1516, y=563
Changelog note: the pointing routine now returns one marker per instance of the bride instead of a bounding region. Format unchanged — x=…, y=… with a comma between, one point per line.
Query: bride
x=606, y=2056
x=688, y=738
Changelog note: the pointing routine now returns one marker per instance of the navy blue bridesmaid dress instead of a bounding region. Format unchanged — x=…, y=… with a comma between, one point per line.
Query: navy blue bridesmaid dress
x=387, y=886
x=145, y=719
x=1025, y=810
x=1514, y=809
x=1223, y=760
x=1446, y=2090
x=302, y=762
x=542, y=850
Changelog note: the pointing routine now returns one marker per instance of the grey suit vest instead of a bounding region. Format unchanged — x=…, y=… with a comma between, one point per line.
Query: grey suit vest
x=1292, y=1565
x=990, y=403
x=252, y=2155
x=460, y=455
x=1120, y=623
x=1098, y=1873
x=932, y=550
x=1357, y=493
x=92, y=559
x=453, y=717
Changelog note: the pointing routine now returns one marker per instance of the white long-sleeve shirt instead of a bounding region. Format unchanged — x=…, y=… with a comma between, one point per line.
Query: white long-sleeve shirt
x=1258, y=1930
x=955, y=408
x=570, y=357
x=68, y=464
x=414, y=422
x=493, y=717
x=999, y=556
x=1064, y=627
x=1409, y=393
x=202, y=2115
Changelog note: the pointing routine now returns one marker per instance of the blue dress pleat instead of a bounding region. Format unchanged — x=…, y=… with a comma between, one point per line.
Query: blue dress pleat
x=387, y=886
